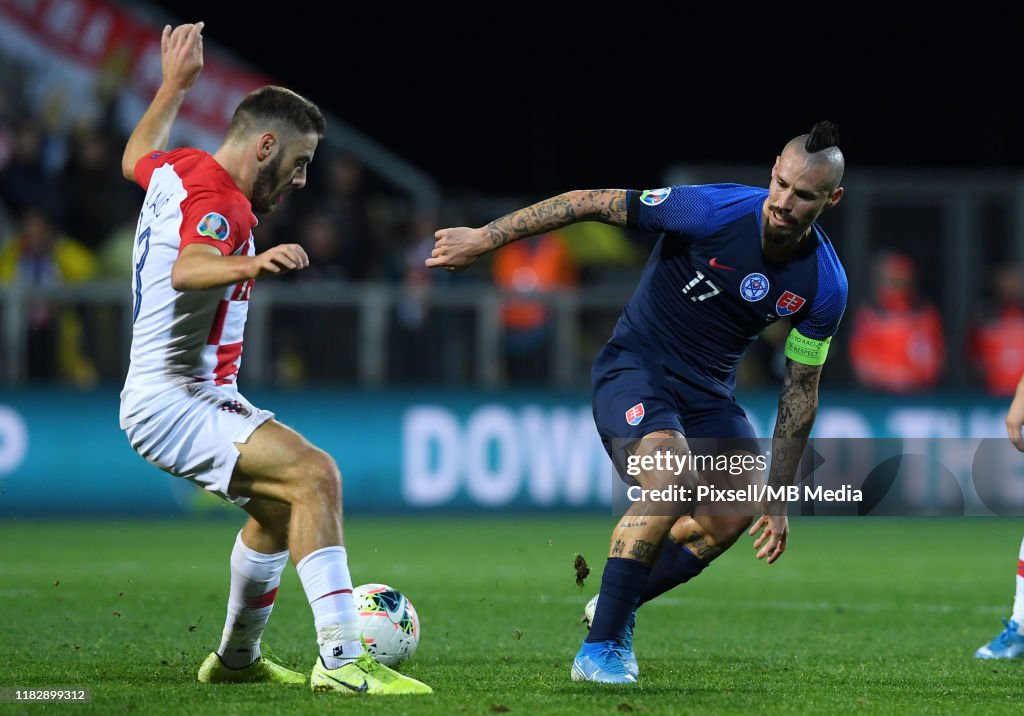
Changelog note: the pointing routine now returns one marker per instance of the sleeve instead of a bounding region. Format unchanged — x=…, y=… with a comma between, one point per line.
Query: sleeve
x=676, y=209
x=209, y=218
x=148, y=164
x=812, y=333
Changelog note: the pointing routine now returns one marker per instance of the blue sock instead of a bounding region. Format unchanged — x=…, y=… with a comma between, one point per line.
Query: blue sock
x=675, y=565
x=623, y=582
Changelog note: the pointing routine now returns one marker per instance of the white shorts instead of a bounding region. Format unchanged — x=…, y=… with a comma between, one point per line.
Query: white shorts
x=193, y=434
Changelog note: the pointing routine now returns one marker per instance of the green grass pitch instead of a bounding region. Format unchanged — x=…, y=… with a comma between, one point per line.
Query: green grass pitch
x=870, y=615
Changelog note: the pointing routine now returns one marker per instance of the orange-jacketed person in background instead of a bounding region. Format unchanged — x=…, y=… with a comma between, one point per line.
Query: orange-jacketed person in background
x=898, y=344
x=997, y=336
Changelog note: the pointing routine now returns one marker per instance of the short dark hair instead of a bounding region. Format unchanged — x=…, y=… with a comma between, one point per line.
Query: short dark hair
x=277, y=105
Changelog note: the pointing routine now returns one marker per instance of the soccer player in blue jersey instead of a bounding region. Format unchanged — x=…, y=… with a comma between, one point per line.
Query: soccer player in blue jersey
x=732, y=259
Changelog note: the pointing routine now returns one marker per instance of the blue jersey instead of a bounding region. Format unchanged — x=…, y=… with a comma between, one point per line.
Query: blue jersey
x=707, y=291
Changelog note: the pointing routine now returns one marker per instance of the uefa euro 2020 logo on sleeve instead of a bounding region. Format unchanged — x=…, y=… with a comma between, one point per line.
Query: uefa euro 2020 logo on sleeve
x=214, y=226
x=653, y=197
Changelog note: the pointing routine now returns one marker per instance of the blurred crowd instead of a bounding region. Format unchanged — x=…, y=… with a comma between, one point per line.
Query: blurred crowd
x=67, y=217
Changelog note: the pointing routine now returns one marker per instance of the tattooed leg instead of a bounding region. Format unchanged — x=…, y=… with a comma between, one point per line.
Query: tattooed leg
x=713, y=528
x=693, y=543
x=708, y=536
x=641, y=531
x=635, y=544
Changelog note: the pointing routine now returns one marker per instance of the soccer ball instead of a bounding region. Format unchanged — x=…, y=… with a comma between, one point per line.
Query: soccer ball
x=388, y=622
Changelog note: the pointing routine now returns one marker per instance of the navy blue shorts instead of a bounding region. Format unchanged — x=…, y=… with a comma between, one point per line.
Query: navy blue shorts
x=632, y=400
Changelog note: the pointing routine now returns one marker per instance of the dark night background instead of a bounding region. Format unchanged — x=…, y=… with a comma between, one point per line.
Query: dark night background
x=481, y=109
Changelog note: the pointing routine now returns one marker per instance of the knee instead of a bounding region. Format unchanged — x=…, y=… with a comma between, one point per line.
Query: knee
x=319, y=477
x=659, y=460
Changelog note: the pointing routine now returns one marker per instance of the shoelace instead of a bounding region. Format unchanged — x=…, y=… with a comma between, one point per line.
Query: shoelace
x=619, y=651
x=1007, y=633
x=367, y=663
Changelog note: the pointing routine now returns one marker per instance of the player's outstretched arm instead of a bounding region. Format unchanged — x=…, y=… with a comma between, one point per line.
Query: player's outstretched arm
x=1015, y=417
x=459, y=248
x=798, y=406
x=181, y=59
x=201, y=266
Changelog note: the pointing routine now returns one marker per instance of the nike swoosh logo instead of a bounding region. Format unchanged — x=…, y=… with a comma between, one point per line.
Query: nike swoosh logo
x=350, y=687
x=714, y=264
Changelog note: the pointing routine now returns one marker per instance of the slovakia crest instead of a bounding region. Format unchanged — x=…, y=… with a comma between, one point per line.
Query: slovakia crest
x=214, y=226
x=754, y=287
x=789, y=303
x=635, y=414
x=653, y=197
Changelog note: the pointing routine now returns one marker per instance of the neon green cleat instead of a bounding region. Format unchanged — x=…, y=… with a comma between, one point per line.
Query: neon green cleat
x=364, y=676
x=263, y=670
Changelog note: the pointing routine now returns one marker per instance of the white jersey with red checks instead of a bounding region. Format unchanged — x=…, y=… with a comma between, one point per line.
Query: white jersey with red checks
x=181, y=338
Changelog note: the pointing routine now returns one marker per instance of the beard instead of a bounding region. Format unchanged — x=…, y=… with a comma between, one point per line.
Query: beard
x=264, y=191
x=779, y=237
x=776, y=236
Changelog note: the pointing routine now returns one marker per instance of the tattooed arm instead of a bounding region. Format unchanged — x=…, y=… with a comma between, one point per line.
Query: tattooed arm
x=798, y=406
x=459, y=248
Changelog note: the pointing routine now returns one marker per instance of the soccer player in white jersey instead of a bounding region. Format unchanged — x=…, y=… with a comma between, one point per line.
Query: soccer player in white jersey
x=195, y=263
x=1009, y=643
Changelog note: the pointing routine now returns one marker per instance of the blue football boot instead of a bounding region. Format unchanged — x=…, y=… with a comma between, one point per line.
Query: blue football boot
x=601, y=661
x=1008, y=644
x=626, y=647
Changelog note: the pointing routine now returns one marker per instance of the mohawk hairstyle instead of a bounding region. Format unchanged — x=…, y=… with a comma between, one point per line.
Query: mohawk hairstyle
x=825, y=134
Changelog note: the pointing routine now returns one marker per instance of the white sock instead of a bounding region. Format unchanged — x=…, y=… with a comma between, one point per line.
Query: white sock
x=255, y=578
x=1018, y=599
x=325, y=577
